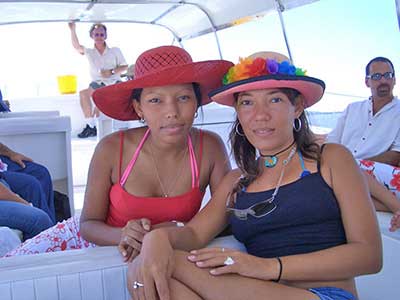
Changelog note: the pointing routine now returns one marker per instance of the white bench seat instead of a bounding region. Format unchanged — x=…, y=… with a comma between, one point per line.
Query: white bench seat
x=99, y=273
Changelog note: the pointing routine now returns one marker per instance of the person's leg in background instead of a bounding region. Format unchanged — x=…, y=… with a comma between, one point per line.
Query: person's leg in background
x=33, y=183
x=30, y=220
x=90, y=112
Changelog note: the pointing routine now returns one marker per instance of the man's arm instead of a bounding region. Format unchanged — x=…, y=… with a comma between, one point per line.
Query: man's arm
x=14, y=156
x=74, y=38
x=389, y=157
x=4, y=150
x=7, y=195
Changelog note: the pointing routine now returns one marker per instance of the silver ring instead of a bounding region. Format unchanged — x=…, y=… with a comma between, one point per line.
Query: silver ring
x=137, y=285
x=229, y=261
x=223, y=249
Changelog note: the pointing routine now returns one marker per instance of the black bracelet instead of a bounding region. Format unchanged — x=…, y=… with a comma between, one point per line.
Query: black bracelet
x=280, y=270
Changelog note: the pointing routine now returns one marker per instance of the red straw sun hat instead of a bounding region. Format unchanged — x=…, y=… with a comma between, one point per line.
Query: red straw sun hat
x=160, y=66
x=266, y=70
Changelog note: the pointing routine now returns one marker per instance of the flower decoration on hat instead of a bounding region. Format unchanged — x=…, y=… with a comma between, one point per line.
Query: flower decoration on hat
x=249, y=67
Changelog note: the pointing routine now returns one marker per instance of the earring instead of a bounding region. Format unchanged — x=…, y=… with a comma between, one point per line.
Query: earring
x=237, y=130
x=142, y=120
x=297, y=124
x=196, y=114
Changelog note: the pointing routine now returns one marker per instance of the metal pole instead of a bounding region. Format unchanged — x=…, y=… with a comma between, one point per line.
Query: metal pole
x=280, y=8
x=214, y=29
x=398, y=12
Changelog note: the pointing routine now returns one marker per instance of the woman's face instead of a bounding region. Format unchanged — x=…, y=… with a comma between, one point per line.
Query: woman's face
x=267, y=118
x=168, y=110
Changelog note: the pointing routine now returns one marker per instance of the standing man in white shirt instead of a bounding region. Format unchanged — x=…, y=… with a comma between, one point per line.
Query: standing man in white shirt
x=106, y=65
x=370, y=129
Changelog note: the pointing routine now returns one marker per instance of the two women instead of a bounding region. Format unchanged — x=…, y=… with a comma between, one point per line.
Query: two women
x=302, y=211
x=147, y=177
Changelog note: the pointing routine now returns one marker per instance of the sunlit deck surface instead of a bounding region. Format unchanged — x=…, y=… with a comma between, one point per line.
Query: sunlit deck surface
x=82, y=151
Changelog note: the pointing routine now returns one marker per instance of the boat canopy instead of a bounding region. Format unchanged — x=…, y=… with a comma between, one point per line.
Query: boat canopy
x=184, y=19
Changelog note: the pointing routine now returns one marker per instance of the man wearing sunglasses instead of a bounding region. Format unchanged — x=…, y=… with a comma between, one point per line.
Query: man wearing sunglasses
x=370, y=129
x=106, y=65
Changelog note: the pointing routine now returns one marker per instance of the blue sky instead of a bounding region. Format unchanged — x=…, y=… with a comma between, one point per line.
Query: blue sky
x=332, y=39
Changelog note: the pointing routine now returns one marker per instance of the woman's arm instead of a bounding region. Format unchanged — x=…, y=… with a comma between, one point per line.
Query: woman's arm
x=362, y=254
x=155, y=263
x=95, y=207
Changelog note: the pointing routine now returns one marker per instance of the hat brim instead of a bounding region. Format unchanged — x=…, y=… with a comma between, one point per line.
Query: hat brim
x=311, y=88
x=115, y=100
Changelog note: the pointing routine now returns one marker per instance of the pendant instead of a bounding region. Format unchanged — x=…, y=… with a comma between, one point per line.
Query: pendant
x=270, y=161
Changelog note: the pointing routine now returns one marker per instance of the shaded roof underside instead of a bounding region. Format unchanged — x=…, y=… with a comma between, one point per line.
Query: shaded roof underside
x=185, y=19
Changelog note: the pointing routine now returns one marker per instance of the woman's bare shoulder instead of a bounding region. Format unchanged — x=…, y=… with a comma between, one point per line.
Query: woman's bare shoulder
x=231, y=178
x=112, y=142
x=333, y=153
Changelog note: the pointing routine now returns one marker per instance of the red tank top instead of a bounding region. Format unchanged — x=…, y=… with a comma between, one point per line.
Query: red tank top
x=124, y=206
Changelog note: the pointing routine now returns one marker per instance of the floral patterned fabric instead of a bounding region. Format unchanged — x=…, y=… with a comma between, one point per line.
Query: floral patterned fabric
x=62, y=236
x=386, y=174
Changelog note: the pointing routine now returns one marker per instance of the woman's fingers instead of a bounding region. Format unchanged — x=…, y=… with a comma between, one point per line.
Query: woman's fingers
x=133, y=242
x=122, y=249
x=223, y=270
x=211, y=262
x=210, y=250
x=137, y=290
x=162, y=287
x=146, y=224
x=136, y=226
x=200, y=255
x=132, y=255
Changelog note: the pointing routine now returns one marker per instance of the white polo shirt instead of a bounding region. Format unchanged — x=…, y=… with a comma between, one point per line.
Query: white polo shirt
x=367, y=135
x=110, y=59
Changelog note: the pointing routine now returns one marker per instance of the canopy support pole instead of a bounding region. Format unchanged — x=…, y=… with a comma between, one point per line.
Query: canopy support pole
x=214, y=28
x=281, y=8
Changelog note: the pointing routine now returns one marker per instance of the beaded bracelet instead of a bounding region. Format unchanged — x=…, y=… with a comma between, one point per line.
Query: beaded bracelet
x=280, y=270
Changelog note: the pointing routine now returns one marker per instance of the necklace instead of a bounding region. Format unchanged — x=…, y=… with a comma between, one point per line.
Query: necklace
x=285, y=162
x=163, y=190
x=270, y=161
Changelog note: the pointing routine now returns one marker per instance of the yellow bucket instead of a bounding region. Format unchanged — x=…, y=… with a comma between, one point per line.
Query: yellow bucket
x=67, y=84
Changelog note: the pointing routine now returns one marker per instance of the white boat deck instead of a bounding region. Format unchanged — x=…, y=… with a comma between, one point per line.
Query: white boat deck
x=82, y=151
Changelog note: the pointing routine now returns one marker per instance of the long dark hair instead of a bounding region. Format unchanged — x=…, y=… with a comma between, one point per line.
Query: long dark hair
x=245, y=153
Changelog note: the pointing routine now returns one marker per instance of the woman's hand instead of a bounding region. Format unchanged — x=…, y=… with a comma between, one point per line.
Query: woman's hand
x=132, y=237
x=152, y=269
x=228, y=261
x=395, y=221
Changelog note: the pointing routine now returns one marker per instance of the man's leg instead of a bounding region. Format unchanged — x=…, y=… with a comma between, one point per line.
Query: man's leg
x=87, y=108
x=33, y=183
x=30, y=220
x=86, y=105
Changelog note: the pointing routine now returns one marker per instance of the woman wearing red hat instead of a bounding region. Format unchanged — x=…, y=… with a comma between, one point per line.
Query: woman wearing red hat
x=302, y=211
x=147, y=177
